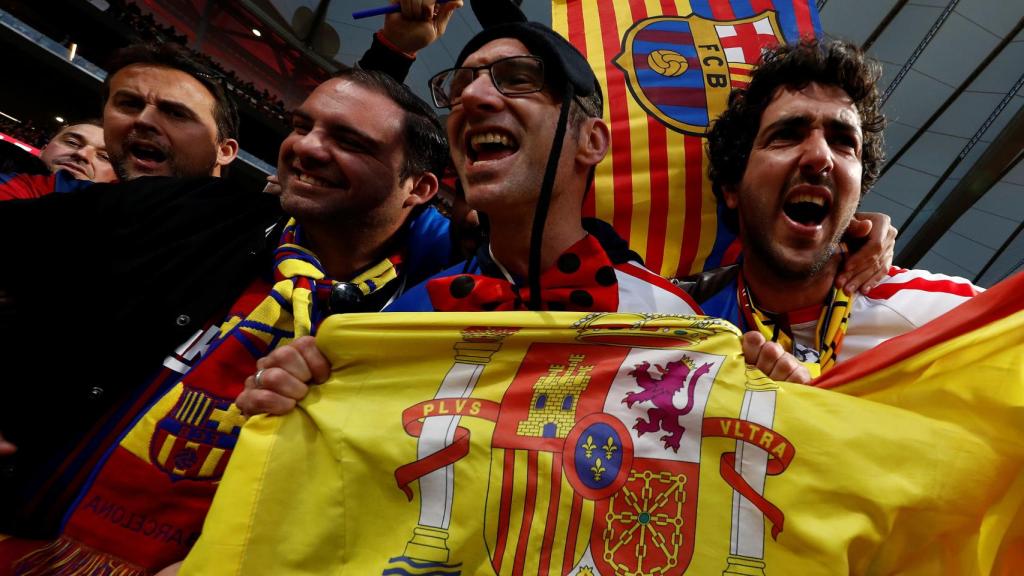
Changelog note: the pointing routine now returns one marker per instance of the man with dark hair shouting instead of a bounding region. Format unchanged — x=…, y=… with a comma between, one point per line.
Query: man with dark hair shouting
x=791, y=158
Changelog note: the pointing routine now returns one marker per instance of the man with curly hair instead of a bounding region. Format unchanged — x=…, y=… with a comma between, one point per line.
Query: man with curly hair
x=791, y=159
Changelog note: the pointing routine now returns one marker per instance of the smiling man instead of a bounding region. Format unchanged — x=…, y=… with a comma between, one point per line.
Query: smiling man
x=73, y=159
x=791, y=159
x=526, y=133
x=80, y=150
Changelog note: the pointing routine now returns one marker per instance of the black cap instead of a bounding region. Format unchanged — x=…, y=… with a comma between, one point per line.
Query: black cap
x=565, y=71
x=563, y=63
x=494, y=12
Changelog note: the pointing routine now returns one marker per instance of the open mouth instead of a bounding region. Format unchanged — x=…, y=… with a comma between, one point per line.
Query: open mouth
x=147, y=153
x=487, y=146
x=807, y=209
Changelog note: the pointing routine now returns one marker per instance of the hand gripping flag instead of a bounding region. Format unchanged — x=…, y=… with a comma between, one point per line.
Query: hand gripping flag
x=564, y=443
x=666, y=68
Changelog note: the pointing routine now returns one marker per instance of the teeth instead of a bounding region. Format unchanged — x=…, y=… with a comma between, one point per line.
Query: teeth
x=817, y=200
x=490, y=138
x=312, y=181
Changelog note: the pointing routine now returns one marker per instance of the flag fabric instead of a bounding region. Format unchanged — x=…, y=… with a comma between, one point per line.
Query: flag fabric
x=666, y=68
x=611, y=443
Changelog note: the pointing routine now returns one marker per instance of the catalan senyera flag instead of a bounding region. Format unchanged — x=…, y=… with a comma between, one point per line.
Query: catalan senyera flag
x=614, y=444
x=666, y=68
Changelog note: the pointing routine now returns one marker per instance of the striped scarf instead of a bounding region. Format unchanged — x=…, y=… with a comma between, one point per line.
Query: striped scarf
x=146, y=504
x=828, y=333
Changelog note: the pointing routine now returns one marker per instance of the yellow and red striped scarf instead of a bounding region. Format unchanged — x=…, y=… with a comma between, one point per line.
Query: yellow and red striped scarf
x=828, y=333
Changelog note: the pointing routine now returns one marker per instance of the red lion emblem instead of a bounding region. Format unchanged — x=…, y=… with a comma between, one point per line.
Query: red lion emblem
x=664, y=415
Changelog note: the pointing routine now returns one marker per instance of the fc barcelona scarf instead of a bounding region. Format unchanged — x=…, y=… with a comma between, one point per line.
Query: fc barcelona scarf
x=828, y=333
x=146, y=504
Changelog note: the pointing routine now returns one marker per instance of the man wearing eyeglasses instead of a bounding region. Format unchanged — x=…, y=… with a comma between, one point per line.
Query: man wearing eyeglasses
x=526, y=133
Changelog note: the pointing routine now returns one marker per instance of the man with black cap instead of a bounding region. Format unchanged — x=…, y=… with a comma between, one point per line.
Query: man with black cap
x=522, y=97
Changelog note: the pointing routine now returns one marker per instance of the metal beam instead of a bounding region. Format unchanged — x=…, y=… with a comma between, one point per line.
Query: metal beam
x=966, y=150
x=1002, y=155
x=1002, y=249
x=952, y=97
x=289, y=36
x=928, y=37
x=884, y=24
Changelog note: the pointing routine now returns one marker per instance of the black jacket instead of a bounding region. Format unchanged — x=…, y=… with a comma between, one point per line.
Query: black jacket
x=101, y=284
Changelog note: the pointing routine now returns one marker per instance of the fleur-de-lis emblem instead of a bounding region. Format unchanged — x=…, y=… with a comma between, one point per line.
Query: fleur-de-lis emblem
x=588, y=447
x=597, y=469
x=610, y=448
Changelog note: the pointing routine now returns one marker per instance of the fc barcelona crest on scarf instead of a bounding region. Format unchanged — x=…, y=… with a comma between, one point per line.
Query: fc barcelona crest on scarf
x=595, y=455
x=194, y=440
x=681, y=70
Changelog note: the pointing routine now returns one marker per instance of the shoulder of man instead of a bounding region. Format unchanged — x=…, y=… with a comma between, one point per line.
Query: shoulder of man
x=702, y=286
x=23, y=186
x=429, y=245
x=919, y=295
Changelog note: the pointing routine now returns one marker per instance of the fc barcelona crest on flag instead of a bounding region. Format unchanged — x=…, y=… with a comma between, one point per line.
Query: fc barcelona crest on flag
x=681, y=70
x=193, y=439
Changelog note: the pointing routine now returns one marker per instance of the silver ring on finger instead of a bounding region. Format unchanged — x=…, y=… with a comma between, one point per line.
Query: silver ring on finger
x=259, y=374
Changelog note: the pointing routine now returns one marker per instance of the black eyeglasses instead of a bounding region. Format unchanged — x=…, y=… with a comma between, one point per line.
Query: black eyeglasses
x=511, y=76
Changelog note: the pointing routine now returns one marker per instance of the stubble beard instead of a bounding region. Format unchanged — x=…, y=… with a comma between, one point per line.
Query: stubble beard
x=763, y=248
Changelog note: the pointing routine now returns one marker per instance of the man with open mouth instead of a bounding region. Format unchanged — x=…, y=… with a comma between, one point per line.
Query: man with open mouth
x=526, y=133
x=165, y=116
x=196, y=279
x=791, y=159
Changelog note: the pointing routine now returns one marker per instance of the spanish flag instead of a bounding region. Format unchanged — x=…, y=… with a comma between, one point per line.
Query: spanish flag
x=666, y=68
x=613, y=443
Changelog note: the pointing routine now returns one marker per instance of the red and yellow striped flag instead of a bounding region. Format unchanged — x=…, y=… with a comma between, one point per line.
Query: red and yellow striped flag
x=666, y=68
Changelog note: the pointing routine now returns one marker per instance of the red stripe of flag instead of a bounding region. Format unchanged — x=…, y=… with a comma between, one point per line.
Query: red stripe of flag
x=570, y=536
x=722, y=10
x=758, y=6
x=529, y=503
x=622, y=164
x=802, y=11
x=694, y=147
x=732, y=253
x=577, y=35
x=552, y=520
x=505, y=508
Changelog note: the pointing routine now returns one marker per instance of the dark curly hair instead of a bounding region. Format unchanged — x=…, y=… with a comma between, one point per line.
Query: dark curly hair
x=795, y=66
